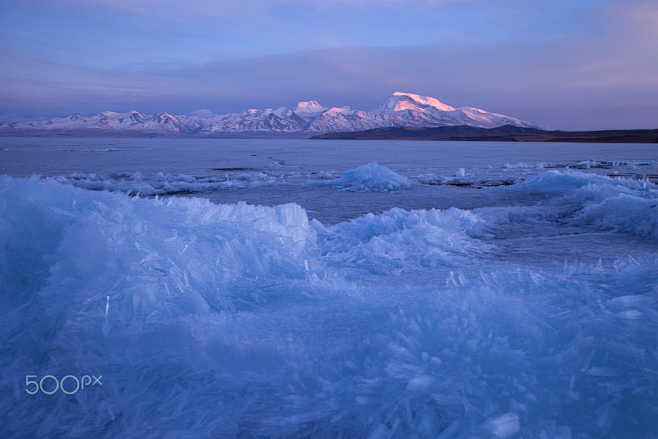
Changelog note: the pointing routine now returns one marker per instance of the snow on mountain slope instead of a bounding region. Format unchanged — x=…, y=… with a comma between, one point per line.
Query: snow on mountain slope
x=108, y=120
x=409, y=109
x=345, y=119
x=401, y=101
x=483, y=119
x=281, y=120
x=401, y=109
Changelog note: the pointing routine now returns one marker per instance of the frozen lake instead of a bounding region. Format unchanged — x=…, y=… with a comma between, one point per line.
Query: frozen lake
x=367, y=289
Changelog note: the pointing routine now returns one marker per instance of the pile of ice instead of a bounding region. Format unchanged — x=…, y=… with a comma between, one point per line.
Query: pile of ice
x=399, y=241
x=623, y=205
x=235, y=320
x=372, y=177
x=165, y=184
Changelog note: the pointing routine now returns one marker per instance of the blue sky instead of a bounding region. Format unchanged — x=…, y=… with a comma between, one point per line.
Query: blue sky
x=562, y=64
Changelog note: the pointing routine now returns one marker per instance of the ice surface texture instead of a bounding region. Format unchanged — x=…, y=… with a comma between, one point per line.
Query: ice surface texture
x=371, y=177
x=247, y=321
x=163, y=184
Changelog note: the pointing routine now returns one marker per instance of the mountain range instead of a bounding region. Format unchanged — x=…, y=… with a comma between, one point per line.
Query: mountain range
x=401, y=109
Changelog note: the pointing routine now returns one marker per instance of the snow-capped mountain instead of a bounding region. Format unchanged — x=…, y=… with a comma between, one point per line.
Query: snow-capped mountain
x=106, y=121
x=400, y=110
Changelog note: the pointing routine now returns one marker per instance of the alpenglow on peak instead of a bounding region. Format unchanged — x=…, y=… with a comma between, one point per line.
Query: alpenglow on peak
x=400, y=101
x=311, y=106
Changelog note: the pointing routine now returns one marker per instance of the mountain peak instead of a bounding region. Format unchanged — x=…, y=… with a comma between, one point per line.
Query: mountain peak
x=109, y=113
x=311, y=106
x=401, y=101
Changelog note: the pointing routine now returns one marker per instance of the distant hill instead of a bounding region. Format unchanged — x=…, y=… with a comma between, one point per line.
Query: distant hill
x=506, y=133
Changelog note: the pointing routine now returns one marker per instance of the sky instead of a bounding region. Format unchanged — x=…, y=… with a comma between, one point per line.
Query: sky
x=563, y=64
